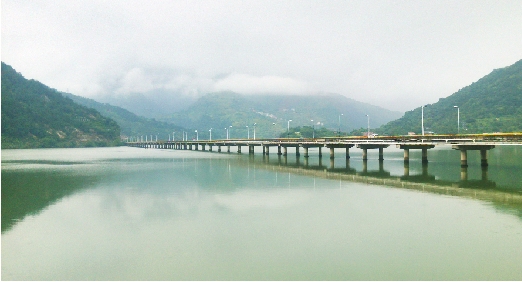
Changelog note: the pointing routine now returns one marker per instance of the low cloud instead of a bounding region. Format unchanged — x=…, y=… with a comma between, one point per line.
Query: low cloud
x=249, y=84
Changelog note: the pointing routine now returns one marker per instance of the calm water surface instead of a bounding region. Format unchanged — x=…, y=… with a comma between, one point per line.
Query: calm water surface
x=150, y=214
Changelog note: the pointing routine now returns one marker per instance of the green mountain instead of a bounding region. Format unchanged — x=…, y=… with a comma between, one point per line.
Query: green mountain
x=36, y=116
x=271, y=114
x=131, y=125
x=491, y=104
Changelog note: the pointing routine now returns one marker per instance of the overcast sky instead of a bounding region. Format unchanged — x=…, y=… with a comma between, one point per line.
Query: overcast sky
x=394, y=54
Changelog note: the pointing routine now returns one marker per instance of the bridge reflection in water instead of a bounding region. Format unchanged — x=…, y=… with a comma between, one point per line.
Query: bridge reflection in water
x=482, y=189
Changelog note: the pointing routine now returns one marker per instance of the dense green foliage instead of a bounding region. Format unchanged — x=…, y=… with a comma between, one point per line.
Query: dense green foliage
x=271, y=114
x=36, y=116
x=131, y=125
x=492, y=104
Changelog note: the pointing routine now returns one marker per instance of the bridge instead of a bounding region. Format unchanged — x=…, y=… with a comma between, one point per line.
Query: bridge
x=461, y=142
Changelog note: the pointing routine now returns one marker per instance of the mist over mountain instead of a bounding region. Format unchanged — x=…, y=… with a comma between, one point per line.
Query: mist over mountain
x=152, y=104
x=491, y=104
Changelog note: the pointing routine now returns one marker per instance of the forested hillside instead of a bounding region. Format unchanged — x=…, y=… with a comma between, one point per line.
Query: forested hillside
x=36, y=116
x=491, y=104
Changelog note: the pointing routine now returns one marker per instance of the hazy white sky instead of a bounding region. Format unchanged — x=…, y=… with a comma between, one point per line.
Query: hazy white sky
x=394, y=54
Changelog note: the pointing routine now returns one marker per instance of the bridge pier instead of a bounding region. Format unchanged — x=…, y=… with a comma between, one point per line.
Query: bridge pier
x=285, y=151
x=251, y=149
x=279, y=150
x=464, y=153
x=306, y=152
x=423, y=147
x=332, y=153
x=219, y=148
x=239, y=149
x=367, y=146
x=228, y=149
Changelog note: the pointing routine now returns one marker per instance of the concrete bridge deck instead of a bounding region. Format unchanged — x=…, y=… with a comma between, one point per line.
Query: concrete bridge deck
x=464, y=143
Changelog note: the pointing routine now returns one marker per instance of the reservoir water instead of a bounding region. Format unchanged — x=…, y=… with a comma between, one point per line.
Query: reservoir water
x=156, y=214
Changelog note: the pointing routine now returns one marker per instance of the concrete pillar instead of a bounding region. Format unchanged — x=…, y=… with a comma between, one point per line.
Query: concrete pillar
x=365, y=154
x=463, y=173
x=239, y=149
x=297, y=153
x=219, y=148
x=285, y=151
x=424, y=156
x=210, y=147
x=279, y=150
x=332, y=163
x=228, y=149
x=463, y=158
x=484, y=157
x=264, y=151
x=267, y=149
x=306, y=162
x=381, y=165
x=251, y=149
x=306, y=152
x=381, y=154
x=202, y=147
x=406, y=155
x=484, y=173
x=320, y=152
x=406, y=168
x=197, y=147
x=332, y=152
x=365, y=166
x=347, y=152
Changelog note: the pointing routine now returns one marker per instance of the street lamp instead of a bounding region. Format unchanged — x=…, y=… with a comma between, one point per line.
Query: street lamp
x=458, y=119
x=248, y=132
x=197, y=135
x=339, y=131
x=210, y=130
x=313, y=129
x=288, y=129
x=368, y=126
x=255, y=131
x=422, y=118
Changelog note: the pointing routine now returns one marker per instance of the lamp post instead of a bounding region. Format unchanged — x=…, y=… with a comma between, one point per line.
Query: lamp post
x=368, y=134
x=248, y=132
x=339, y=131
x=422, y=119
x=173, y=135
x=313, y=129
x=288, y=129
x=197, y=135
x=458, y=119
x=210, y=138
x=226, y=128
x=255, y=131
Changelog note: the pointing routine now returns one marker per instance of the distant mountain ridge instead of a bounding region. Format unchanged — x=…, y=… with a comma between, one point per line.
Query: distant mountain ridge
x=271, y=114
x=491, y=104
x=131, y=124
x=36, y=116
